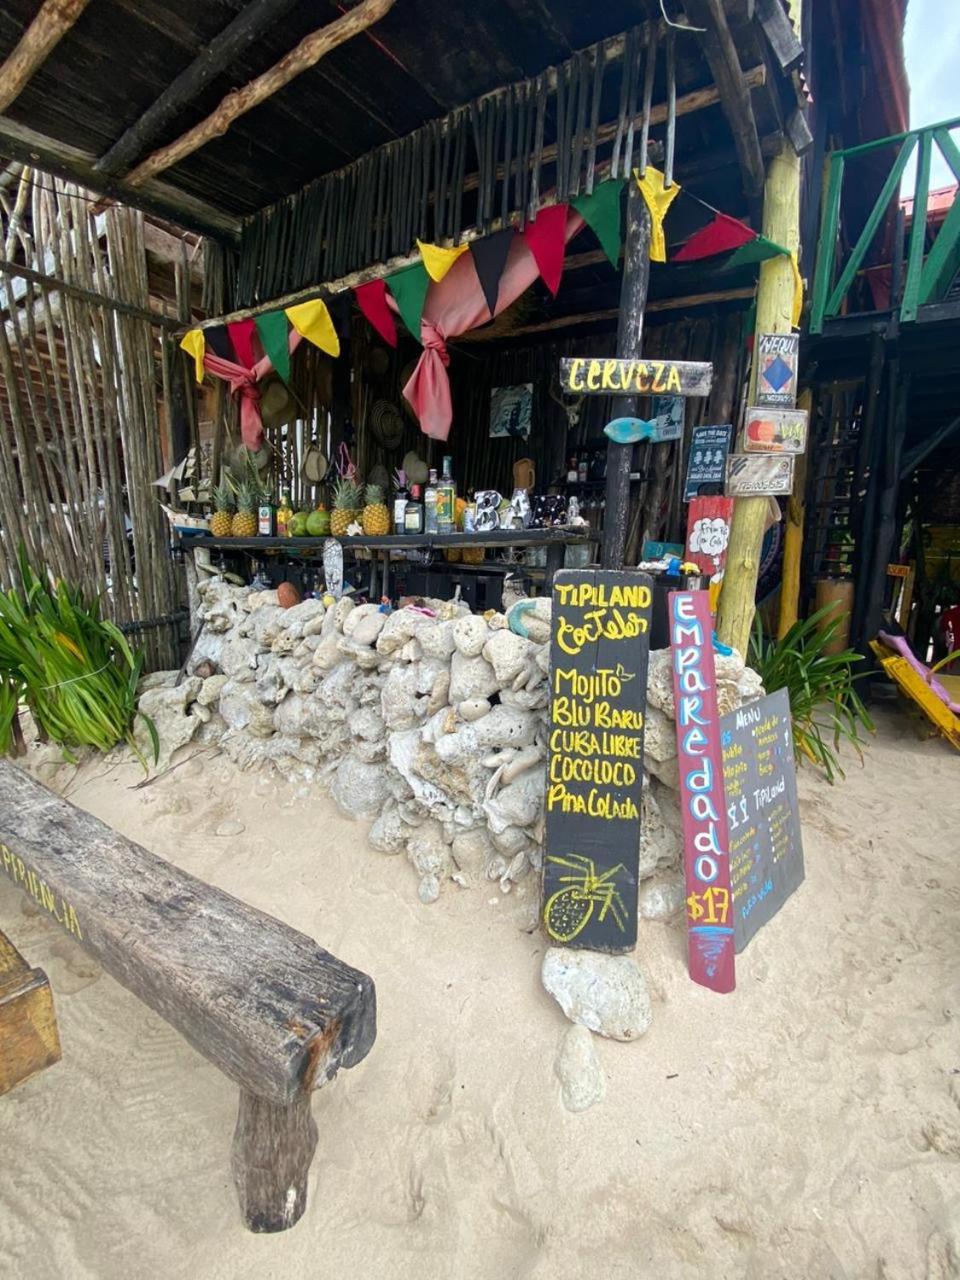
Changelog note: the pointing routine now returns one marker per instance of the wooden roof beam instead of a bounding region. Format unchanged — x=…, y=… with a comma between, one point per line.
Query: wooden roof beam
x=305, y=55
x=724, y=62
x=249, y=25
x=63, y=161
x=53, y=21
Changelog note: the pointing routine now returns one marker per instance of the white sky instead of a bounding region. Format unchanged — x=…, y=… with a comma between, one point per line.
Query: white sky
x=932, y=47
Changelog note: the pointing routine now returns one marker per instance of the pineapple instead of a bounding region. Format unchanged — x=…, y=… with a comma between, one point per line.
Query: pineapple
x=244, y=523
x=346, y=506
x=222, y=519
x=375, y=517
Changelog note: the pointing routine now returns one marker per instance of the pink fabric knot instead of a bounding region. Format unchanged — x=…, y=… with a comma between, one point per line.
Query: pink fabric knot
x=428, y=389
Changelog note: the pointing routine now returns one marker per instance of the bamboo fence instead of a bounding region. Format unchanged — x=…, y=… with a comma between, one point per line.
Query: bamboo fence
x=79, y=419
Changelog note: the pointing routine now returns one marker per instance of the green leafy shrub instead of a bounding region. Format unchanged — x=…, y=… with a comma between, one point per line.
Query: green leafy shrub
x=825, y=707
x=75, y=670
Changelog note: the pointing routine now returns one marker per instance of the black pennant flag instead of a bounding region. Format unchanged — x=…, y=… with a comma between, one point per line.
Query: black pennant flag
x=218, y=340
x=490, y=258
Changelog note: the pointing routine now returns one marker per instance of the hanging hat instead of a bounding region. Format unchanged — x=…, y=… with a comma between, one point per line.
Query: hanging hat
x=415, y=468
x=277, y=403
x=386, y=424
x=379, y=475
x=314, y=465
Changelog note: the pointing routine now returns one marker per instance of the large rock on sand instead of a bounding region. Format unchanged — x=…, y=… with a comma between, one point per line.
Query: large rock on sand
x=607, y=994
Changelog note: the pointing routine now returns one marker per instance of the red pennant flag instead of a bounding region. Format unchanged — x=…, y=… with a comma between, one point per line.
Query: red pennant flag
x=241, y=335
x=720, y=235
x=372, y=301
x=546, y=240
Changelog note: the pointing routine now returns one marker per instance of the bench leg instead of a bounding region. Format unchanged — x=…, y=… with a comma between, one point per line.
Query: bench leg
x=272, y=1150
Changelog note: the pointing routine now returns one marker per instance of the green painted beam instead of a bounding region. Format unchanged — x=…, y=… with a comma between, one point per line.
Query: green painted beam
x=918, y=231
x=827, y=246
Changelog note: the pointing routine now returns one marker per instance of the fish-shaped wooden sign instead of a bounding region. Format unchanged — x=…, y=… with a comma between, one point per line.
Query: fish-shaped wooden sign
x=630, y=430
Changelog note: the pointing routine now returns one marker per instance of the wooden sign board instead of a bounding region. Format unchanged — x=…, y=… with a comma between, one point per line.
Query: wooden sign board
x=611, y=377
x=751, y=475
x=707, y=459
x=760, y=781
x=775, y=430
x=706, y=858
x=778, y=356
x=598, y=697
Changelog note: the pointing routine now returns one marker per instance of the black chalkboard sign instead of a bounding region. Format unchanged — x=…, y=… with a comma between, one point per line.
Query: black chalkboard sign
x=760, y=782
x=598, y=690
x=707, y=459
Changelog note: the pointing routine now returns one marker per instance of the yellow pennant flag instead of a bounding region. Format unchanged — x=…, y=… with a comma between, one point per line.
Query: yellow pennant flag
x=658, y=199
x=195, y=344
x=797, y=291
x=312, y=321
x=438, y=260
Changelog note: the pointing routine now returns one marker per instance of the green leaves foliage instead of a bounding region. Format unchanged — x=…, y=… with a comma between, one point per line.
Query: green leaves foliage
x=825, y=707
x=75, y=670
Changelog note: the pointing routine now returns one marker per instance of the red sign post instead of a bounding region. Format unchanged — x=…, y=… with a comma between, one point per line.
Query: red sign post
x=706, y=857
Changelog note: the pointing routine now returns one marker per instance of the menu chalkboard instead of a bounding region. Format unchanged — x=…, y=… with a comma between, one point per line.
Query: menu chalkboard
x=760, y=782
x=598, y=696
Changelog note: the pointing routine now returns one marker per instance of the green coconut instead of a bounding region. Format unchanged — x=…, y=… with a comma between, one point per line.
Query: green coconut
x=299, y=522
x=318, y=523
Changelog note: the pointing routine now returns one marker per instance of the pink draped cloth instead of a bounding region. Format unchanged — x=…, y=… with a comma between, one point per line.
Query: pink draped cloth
x=245, y=383
x=453, y=307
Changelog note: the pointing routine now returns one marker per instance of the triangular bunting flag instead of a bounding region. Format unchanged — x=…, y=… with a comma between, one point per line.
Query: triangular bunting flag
x=274, y=330
x=409, y=288
x=602, y=214
x=759, y=249
x=546, y=240
x=312, y=321
x=241, y=335
x=720, y=235
x=658, y=200
x=438, y=260
x=489, y=258
x=195, y=345
x=218, y=341
x=372, y=301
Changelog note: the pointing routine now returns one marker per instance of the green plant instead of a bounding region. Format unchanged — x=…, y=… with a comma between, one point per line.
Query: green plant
x=825, y=707
x=75, y=670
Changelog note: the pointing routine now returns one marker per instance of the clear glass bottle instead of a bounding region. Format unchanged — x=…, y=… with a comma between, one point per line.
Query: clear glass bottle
x=446, y=499
x=413, y=515
x=430, y=504
x=284, y=515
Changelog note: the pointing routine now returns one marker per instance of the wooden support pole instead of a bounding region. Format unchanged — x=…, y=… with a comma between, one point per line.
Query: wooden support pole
x=53, y=21
x=273, y=1146
x=781, y=223
x=223, y=50
x=633, y=300
x=306, y=54
x=793, y=535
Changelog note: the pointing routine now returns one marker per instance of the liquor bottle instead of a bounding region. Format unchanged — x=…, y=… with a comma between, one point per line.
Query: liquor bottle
x=265, y=518
x=430, y=504
x=284, y=515
x=446, y=499
x=413, y=515
x=572, y=472
x=401, y=495
x=582, y=469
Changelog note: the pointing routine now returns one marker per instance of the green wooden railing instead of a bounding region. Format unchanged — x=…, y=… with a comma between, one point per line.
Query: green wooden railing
x=925, y=279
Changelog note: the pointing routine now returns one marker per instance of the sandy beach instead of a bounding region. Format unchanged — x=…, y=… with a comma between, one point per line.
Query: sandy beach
x=805, y=1127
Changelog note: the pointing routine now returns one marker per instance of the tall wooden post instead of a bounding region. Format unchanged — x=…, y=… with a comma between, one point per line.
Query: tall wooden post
x=793, y=535
x=781, y=223
x=633, y=301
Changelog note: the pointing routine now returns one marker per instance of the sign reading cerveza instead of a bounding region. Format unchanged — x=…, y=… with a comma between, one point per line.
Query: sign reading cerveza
x=598, y=376
x=598, y=697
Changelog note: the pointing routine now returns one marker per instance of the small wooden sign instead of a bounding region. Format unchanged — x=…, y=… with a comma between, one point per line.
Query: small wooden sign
x=586, y=375
x=598, y=698
x=708, y=534
x=752, y=475
x=707, y=459
x=706, y=857
x=778, y=355
x=775, y=430
x=760, y=783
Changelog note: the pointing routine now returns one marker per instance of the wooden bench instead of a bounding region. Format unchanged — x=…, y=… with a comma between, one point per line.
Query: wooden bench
x=28, y=1025
x=261, y=1001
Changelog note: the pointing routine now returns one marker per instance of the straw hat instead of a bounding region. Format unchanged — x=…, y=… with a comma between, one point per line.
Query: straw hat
x=277, y=403
x=314, y=465
x=386, y=424
x=414, y=467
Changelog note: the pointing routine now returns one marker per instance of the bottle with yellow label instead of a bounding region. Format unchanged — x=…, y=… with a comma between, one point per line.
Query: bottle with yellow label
x=284, y=515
